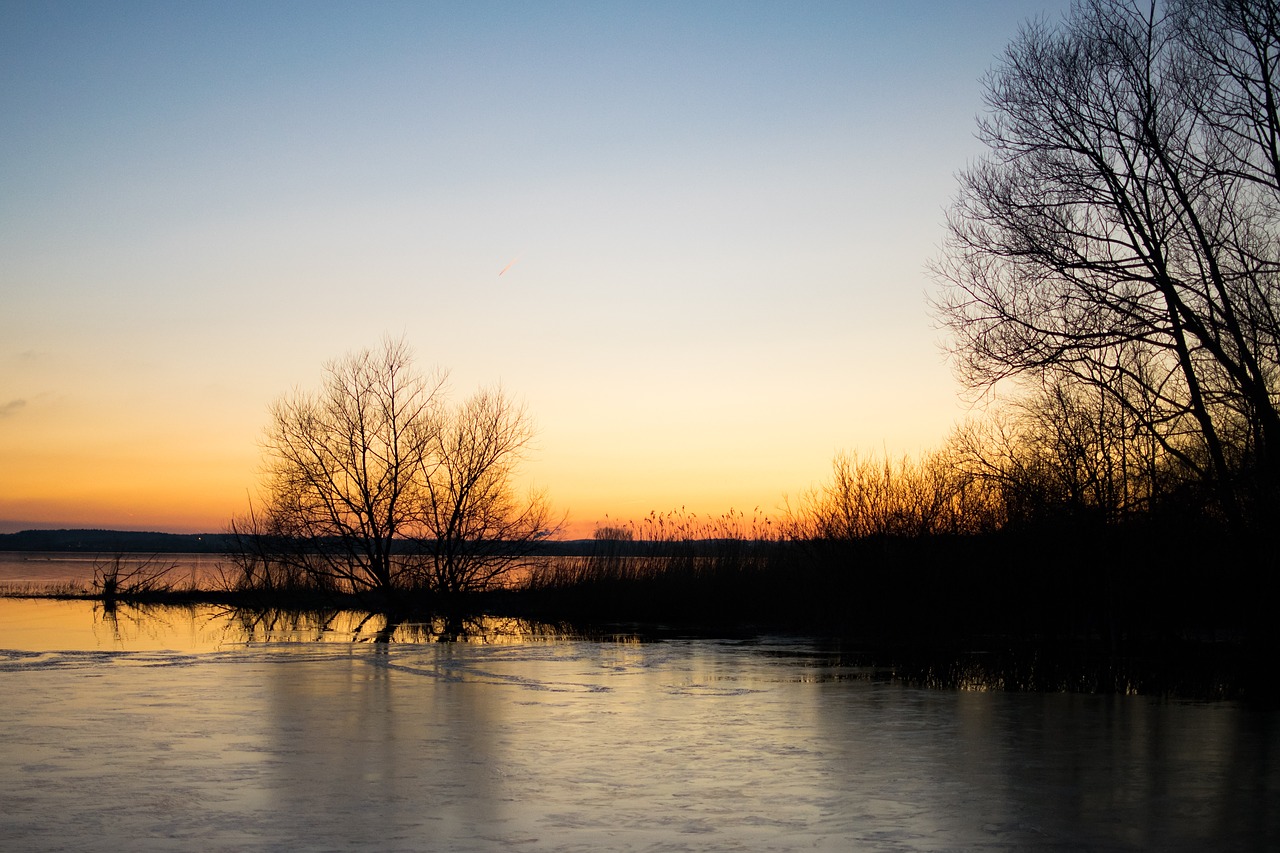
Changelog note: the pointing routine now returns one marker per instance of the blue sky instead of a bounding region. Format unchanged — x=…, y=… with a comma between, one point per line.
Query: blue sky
x=719, y=215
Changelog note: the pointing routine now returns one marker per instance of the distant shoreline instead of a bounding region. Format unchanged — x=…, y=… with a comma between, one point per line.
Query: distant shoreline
x=93, y=541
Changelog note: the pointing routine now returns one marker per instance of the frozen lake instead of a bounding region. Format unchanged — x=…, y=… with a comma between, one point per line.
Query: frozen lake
x=183, y=733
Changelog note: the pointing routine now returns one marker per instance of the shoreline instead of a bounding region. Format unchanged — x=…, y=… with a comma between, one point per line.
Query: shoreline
x=1208, y=667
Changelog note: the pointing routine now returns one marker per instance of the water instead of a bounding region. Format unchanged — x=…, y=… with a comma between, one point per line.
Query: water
x=184, y=733
x=75, y=568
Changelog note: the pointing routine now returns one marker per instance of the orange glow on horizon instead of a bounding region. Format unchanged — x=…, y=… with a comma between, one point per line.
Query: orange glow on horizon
x=188, y=465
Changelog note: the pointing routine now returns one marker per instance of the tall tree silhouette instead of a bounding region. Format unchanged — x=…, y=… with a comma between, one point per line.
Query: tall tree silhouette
x=1121, y=231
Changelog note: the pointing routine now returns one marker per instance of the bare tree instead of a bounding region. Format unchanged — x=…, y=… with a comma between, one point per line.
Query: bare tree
x=376, y=483
x=344, y=465
x=476, y=529
x=1121, y=231
x=1068, y=451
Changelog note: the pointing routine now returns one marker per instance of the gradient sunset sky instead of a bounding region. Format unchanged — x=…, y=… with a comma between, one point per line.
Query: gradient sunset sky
x=719, y=216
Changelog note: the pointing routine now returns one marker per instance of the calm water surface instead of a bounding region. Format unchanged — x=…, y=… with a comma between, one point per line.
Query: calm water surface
x=186, y=732
x=39, y=568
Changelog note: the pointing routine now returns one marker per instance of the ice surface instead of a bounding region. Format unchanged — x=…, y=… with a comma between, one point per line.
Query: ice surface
x=574, y=745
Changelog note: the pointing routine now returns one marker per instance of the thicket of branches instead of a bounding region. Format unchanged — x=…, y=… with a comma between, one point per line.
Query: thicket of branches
x=375, y=482
x=1117, y=247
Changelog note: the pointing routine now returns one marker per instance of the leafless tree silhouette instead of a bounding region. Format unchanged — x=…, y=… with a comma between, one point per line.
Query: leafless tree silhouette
x=476, y=528
x=1121, y=232
x=343, y=464
x=376, y=483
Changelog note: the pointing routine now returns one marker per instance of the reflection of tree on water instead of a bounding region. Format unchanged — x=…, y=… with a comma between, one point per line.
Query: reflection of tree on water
x=451, y=628
x=129, y=622
x=266, y=625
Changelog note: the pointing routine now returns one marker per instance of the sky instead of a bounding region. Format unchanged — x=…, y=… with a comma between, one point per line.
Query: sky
x=715, y=221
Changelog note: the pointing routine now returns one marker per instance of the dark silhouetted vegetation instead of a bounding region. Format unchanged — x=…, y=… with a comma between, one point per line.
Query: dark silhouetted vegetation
x=376, y=484
x=1115, y=252
x=119, y=577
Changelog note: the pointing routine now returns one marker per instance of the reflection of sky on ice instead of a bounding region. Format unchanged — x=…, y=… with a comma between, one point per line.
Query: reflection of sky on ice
x=574, y=745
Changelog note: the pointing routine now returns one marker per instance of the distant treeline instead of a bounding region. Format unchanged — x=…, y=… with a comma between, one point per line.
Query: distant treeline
x=113, y=541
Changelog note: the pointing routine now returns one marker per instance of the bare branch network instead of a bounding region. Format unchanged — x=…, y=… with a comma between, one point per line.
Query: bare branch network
x=1119, y=242
x=375, y=482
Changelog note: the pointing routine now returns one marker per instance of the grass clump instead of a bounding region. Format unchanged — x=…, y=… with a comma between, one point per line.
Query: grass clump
x=118, y=578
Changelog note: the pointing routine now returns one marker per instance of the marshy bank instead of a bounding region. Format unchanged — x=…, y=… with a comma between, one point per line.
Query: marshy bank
x=1133, y=611
x=40, y=625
